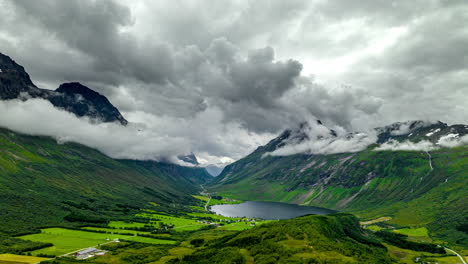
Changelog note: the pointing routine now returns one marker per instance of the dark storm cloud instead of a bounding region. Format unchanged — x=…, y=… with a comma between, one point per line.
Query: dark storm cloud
x=259, y=79
x=238, y=71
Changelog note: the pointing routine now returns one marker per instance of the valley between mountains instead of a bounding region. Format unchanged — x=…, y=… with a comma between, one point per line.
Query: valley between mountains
x=399, y=196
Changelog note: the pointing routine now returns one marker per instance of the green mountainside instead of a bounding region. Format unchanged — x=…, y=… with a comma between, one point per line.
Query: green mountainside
x=43, y=183
x=399, y=184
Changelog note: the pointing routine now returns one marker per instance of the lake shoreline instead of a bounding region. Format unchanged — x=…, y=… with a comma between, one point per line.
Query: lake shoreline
x=267, y=210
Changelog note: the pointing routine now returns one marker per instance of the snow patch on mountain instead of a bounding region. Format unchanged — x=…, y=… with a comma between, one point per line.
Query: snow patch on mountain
x=432, y=132
x=318, y=139
x=447, y=141
x=315, y=138
x=404, y=128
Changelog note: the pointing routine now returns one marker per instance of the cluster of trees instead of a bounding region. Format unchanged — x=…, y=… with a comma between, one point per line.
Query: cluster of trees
x=400, y=240
x=19, y=246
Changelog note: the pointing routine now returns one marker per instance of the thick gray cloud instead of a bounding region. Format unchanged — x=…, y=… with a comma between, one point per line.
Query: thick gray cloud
x=255, y=67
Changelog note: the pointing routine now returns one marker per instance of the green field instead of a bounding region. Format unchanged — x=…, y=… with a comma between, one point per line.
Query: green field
x=213, y=216
x=374, y=228
x=180, y=223
x=18, y=259
x=122, y=224
x=66, y=240
x=114, y=231
x=215, y=201
x=413, y=232
x=237, y=226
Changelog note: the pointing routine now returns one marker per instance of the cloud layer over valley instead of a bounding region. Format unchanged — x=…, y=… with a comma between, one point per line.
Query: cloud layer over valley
x=219, y=79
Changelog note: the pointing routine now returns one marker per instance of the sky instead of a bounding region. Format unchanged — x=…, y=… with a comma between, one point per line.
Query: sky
x=220, y=78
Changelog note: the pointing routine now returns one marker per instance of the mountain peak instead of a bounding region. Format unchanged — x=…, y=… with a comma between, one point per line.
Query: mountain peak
x=189, y=158
x=14, y=80
x=73, y=97
x=76, y=88
x=408, y=130
x=83, y=101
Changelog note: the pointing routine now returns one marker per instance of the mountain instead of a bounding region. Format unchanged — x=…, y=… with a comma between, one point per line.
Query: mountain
x=308, y=239
x=189, y=158
x=413, y=187
x=214, y=170
x=15, y=81
x=43, y=183
x=82, y=101
x=76, y=98
x=194, y=176
x=416, y=131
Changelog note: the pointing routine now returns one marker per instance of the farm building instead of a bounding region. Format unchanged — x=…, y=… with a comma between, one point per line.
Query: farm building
x=85, y=253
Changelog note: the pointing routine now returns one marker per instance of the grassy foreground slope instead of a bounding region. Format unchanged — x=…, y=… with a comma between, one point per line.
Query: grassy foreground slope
x=43, y=183
x=370, y=183
x=308, y=239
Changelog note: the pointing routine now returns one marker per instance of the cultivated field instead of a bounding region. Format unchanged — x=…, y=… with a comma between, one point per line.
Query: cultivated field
x=18, y=259
x=66, y=240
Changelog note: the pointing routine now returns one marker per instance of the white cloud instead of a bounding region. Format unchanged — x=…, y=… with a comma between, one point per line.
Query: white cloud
x=447, y=141
x=320, y=140
x=406, y=146
x=146, y=137
x=452, y=140
x=183, y=61
x=405, y=127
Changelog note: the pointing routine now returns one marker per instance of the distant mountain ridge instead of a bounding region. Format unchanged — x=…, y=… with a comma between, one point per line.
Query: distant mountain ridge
x=410, y=131
x=73, y=97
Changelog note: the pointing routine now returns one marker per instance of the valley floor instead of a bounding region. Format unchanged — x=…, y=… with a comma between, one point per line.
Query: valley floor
x=157, y=237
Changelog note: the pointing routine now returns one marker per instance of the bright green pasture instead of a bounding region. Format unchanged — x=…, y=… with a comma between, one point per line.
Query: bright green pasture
x=215, y=201
x=150, y=240
x=242, y=225
x=214, y=216
x=236, y=226
x=200, y=197
x=374, y=228
x=122, y=224
x=114, y=231
x=180, y=223
x=414, y=232
x=66, y=240
x=133, y=238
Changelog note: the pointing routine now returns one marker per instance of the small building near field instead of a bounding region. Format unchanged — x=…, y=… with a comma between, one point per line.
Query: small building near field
x=84, y=254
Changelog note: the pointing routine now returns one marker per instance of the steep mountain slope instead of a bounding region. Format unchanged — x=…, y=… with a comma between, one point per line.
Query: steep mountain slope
x=308, y=239
x=76, y=98
x=82, y=101
x=43, y=183
x=414, y=187
x=214, y=170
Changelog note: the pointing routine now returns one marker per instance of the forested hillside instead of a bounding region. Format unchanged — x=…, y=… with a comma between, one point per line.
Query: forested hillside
x=308, y=239
x=43, y=183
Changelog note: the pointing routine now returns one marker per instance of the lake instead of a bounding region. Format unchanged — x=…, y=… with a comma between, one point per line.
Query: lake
x=267, y=210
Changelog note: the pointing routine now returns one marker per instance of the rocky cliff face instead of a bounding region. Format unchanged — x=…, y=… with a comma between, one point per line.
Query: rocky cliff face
x=74, y=97
x=14, y=80
x=82, y=101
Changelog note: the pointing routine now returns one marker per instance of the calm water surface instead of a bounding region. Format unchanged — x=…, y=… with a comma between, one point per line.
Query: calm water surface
x=267, y=210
